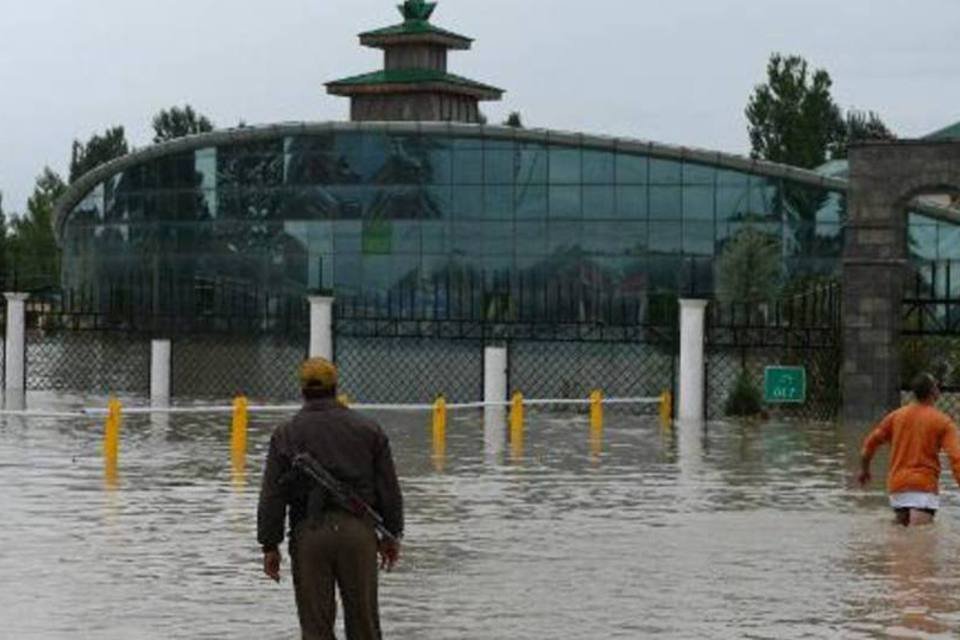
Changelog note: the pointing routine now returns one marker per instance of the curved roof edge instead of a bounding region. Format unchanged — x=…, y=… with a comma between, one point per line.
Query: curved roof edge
x=83, y=185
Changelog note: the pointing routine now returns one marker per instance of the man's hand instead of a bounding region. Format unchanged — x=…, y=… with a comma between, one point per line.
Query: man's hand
x=864, y=478
x=389, y=554
x=271, y=564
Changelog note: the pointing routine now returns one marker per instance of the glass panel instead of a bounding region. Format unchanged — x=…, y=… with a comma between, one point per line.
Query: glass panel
x=598, y=202
x=763, y=199
x=732, y=203
x=732, y=178
x=531, y=237
x=533, y=164
x=360, y=157
x=666, y=203
x=615, y=239
x=598, y=167
x=498, y=202
x=500, y=162
x=949, y=242
x=699, y=238
x=564, y=236
x=434, y=236
x=698, y=203
x=666, y=237
x=632, y=203
x=531, y=201
x=631, y=169
x=922, y=240
x=665, y=171
x=467, y=162
x=564, y=165
x=698, y=174
x=467, y=202
x=565, y=202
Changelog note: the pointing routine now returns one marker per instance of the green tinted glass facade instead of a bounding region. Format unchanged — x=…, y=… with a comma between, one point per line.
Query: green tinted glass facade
x=372, y=211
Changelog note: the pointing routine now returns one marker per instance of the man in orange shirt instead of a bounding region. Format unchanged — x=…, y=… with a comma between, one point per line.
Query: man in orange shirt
x=917, y=432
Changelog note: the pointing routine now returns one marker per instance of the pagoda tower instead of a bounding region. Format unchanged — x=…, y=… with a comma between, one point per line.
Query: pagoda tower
x=414, y=83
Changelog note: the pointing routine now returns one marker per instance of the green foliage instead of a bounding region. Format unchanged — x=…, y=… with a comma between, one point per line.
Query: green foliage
x=862, y=126
x=750, y=268
x=31, y=248
x=98, y=150
x=745, y=399
x=514, y=120
x=177, y=122
x=792, y=117
x=3, y=241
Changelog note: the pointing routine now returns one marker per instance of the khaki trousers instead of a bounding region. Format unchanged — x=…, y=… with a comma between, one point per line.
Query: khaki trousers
x=336, y=549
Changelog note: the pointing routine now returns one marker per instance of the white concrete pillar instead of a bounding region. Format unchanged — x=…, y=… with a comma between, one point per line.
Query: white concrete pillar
x=321, y=327
x=160, y=373
x=495, y=374
x=692, y=365
x=15, y=347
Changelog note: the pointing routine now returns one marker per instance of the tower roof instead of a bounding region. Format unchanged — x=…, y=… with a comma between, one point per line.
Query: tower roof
x=415, y=29
x=412, y=80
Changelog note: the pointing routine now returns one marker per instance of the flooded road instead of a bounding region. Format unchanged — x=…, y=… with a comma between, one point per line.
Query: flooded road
x=736, y=531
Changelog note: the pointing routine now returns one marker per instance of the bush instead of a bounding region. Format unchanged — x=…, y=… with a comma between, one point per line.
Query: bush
x=745, y=399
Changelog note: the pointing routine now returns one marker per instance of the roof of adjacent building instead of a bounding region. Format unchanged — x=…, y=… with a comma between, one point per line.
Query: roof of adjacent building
x=947, y=133
x=423, y=79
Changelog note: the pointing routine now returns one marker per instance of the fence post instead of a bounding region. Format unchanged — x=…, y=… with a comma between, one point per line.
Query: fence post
x=495, y=374
x=16, y=345
x=160, y=373
x=321, y=327
x=692, y=363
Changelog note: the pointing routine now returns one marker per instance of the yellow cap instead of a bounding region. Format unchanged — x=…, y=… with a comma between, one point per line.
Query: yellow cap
x=318, y=373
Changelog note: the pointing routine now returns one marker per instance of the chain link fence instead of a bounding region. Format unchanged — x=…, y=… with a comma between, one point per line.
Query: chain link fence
x=98, y=362
x=936, y=354
x=400, y=370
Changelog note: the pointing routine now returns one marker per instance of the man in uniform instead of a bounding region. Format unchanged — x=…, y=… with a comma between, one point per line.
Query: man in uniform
x=329, y=546
x=917, y=432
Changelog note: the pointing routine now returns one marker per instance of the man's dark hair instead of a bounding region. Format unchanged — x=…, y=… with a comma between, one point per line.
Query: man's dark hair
x=923, y=385
x=319, y=393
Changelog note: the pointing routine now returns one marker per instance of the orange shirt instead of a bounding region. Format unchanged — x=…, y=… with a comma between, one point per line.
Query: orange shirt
x=918, y=432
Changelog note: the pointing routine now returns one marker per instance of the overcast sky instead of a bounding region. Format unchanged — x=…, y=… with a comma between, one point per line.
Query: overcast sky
x=677, y=71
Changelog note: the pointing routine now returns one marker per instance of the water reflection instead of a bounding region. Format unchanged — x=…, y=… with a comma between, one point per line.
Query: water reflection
x=724, y=531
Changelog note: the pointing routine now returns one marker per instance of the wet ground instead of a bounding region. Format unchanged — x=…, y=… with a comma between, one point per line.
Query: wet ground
x=735, y=531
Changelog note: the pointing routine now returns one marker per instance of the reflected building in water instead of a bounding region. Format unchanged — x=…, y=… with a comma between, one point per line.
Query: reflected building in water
x=414, y=193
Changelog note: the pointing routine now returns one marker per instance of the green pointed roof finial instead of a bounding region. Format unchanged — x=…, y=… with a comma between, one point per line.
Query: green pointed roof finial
x=417, y=10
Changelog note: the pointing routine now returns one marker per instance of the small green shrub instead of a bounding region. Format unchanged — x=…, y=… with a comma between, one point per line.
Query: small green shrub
x=745, y=399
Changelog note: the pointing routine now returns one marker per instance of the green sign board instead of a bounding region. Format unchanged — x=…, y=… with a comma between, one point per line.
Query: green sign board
x=784, y=385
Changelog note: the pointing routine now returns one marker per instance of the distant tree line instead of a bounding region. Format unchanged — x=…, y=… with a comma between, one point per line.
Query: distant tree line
x=29, y=256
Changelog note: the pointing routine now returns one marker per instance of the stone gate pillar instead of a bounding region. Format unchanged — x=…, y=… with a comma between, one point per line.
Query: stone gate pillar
x=885, y=178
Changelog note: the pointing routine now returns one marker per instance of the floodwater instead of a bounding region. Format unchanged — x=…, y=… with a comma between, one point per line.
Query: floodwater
x=733, y=531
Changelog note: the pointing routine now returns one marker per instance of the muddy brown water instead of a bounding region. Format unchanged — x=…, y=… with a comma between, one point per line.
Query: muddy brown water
x=732, y=531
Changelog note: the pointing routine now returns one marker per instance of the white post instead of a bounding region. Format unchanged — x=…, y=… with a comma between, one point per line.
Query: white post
x=692, y=325
x=16, y=345
x=495, y=374
x=321, y=327
x=160, y=373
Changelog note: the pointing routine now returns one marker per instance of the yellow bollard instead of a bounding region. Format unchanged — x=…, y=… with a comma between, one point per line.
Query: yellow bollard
x=344, y=400
x=516, y=426
x=111, y=432
x=596, y=410
x=238, y=431
x=666, y=409
x=439, y=433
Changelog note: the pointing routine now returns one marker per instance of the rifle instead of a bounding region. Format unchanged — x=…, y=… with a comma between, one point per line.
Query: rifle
x=343, y=496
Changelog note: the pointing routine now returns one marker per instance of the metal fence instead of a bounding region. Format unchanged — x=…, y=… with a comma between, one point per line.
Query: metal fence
x=99, y=342
x=410, y=347
x=804, y=330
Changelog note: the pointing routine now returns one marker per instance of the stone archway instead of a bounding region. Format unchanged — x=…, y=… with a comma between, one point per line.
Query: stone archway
x=884, y=179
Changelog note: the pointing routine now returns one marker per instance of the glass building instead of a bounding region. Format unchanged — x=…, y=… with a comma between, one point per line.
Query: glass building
x=365, y=208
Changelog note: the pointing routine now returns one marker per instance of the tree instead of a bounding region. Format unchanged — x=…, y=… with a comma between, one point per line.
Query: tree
x=749, y=269
x=792, y=117
x=36, y=257
x=862, y=126
x=98, y=150
x=514, y=120
x=175, y=122
x=3, y=243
